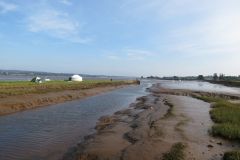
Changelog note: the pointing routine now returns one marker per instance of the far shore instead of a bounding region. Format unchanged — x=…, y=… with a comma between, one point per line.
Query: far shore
x=226, y=83
x=20, y=96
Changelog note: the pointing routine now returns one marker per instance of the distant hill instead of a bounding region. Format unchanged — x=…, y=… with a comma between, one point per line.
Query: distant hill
x=26, y=74
x=39, y=73
x=29, y=73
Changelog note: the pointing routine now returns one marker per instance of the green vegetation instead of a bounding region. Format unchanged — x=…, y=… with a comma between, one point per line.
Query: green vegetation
x=200, y=77
x=233, y=83
x=226, y=115
x=233, y=155
x=9, y=88
x=176, y=152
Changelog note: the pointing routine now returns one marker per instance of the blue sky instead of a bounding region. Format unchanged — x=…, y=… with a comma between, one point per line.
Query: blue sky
x=124, y=37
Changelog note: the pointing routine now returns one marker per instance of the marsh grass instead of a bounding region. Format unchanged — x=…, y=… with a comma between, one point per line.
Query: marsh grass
x=226, y=115
x=176, y=152
x=25, y=87
x=233, y=155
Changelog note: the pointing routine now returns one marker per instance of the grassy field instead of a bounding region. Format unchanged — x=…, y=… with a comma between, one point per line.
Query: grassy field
x=8, y=88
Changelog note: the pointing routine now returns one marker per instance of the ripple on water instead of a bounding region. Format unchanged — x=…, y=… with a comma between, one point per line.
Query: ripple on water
x=47, y=133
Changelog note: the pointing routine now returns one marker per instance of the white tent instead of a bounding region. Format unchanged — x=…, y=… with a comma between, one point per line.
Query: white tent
x=36, y=80
x=76, y=78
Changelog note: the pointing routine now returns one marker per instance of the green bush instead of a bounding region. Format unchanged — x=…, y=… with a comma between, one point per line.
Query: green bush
x=233, y=155
x=227, y=130
x=176, y=152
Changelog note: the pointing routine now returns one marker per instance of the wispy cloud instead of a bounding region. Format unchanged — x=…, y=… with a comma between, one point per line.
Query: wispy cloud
x=53, y=21
x=136, y=54
x=216, y=34
x=131, y=54
x=113, y=57
x=7, y=7
x=66, y=2
x=162, y=8
x=203, y=27
x=57, y=24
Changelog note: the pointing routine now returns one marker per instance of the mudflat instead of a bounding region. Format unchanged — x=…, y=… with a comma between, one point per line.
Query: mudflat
x=19, y=96
x=166, y=124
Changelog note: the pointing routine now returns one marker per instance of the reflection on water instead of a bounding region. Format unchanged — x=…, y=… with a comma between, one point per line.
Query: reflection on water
x=200, y=86
x=46, y=133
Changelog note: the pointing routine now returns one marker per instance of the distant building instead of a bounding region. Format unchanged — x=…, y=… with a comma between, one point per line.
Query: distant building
x=75, y=78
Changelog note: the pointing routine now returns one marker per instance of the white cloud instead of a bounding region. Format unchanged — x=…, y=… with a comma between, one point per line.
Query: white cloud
x=201, y=27
x=216, y=34
x=159, y=9
x=169, y=8
x=7, y=7
x=130, y=54
x=136, y=54
x=57, y=24
x=53, y=21
x=66, y=2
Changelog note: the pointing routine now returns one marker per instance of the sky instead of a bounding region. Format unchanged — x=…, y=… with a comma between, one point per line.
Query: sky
x=123, y=37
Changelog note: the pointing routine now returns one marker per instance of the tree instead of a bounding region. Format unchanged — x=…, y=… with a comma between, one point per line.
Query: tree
x=200, y=77
x=175, y=78
x=221, y=76
x=215, y=77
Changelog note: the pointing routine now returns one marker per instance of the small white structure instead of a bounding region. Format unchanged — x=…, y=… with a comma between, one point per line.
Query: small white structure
x=36, y=80
x=47, y=79
x=75, y=78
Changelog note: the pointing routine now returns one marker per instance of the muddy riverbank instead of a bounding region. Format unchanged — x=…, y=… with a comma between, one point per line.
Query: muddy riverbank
x=12, y=104
x=152, y=125
x=47, y=132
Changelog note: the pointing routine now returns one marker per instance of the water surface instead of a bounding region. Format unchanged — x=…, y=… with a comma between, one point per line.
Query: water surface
x=46, y=133
x=199, y=86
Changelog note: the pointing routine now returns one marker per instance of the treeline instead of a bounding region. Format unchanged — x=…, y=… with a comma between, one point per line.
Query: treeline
x=233, y=81
x=222, y=77
x=214, y=77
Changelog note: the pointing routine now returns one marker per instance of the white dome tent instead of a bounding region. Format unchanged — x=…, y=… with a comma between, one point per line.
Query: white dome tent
x=75, y=78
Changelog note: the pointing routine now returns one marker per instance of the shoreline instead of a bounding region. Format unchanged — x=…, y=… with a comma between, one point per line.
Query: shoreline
x=228, y=83
x=152, y=126
x=17, y=103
